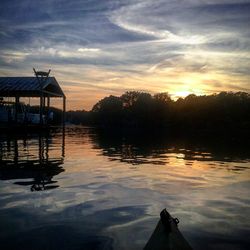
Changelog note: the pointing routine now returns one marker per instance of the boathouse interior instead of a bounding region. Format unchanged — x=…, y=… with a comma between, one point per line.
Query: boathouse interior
x=43, y=88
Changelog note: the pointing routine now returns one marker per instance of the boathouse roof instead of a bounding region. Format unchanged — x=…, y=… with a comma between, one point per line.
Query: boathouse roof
x=29, y=87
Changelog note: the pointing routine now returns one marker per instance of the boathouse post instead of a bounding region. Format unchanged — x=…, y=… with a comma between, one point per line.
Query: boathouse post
x=16, y=107
x=41, y=108
x=48, y=105
x=64, y=109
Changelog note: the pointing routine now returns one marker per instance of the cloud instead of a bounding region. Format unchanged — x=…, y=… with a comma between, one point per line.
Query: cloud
x=88, y=50
x=154, y=45
x=181, y=63
x=13, y=56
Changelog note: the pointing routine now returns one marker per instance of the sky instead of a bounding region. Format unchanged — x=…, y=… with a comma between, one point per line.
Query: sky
x=97, y=48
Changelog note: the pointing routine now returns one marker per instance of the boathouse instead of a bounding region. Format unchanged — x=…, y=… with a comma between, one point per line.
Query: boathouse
x=41, y=86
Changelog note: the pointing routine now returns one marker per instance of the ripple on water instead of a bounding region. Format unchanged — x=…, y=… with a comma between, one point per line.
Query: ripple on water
x=98, y=190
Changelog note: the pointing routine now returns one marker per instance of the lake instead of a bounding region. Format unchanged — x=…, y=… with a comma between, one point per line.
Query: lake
x=81, y=188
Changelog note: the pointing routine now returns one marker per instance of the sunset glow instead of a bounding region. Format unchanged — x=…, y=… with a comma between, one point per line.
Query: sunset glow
x=101, y=48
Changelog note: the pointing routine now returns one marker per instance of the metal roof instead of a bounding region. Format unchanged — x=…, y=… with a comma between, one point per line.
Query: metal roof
x=29, y=87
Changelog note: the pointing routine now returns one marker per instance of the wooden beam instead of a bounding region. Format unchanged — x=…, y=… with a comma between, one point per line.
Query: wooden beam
x=16, y=107
x=48, y=102
x=64, y=109
x=41, y=109
x=35, y=93
x=48, y=105
x=52, y=94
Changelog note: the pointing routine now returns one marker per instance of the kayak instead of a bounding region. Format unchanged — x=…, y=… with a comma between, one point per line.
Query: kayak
x=166, y=235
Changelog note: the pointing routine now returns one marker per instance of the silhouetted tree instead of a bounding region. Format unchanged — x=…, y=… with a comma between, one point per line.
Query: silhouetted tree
x=226, y=110
x=129, y=98
x=163, y=97
x=163, y=109
x=108, y=111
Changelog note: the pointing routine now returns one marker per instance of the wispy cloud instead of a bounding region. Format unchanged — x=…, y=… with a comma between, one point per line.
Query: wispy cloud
x=104, y=47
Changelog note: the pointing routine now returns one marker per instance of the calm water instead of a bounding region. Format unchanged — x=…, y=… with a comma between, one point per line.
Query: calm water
x=89, y=190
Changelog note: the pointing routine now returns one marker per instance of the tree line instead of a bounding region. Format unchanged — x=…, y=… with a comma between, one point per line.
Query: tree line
x=135, y=109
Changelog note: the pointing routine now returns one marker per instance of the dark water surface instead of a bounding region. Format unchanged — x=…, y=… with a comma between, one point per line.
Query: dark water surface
x=92, y=190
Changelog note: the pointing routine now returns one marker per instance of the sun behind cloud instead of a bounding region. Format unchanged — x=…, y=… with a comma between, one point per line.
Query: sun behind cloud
x=95, y=50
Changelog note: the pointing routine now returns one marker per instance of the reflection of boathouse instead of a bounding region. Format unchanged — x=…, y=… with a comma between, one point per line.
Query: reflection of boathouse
x=32, y=160
x=13, y=111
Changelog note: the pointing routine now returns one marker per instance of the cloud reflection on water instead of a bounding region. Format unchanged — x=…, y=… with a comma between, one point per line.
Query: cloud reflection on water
x=104, y=199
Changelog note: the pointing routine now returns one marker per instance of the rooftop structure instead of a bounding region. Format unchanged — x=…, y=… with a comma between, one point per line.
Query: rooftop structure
x=29, y=87
x=41, y=86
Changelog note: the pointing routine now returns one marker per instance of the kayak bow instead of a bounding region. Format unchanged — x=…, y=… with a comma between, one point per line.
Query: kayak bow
x=166, y=235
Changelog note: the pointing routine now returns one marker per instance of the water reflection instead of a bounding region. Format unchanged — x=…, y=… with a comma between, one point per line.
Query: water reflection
x=33, y=160
x=114, y=186
x=158, y=149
